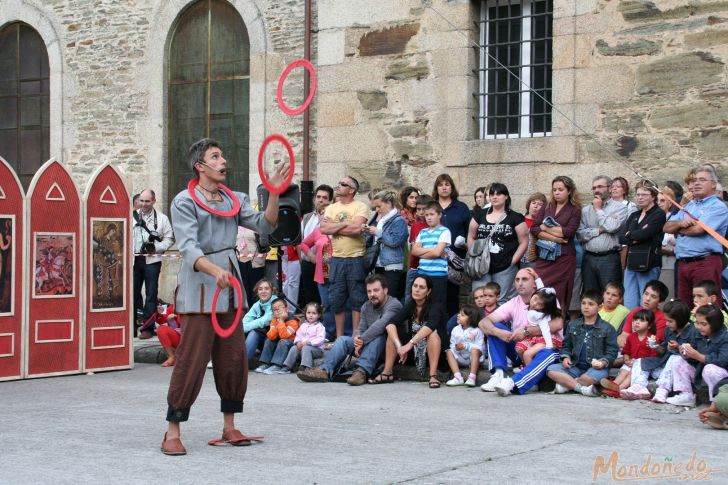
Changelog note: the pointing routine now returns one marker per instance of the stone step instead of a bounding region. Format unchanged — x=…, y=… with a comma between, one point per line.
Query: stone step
x=151, y=352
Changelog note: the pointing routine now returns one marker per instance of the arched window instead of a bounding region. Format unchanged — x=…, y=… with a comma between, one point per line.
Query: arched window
x=24, y=100
x=209, y=90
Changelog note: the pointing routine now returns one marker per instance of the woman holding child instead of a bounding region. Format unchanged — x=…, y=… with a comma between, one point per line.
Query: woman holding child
x=555, y=227
x=508, y=234
x=419, y=323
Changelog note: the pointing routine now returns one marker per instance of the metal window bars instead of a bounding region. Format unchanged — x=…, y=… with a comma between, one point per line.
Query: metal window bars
x=515, y=57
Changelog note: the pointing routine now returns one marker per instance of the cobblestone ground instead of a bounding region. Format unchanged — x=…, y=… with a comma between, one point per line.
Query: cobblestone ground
x=107, y=428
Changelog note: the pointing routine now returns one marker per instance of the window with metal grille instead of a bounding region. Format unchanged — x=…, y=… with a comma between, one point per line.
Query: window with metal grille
x=208, y=90
x=515, y=68
x=24, y=100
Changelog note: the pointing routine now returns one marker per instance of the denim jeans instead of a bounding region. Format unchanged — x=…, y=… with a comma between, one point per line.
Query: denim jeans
x=634, y=285
x=307, y=354
x=147, y=275
x=367, y=361
x=275, y=351
x=329, y=322
x=252, y=342
x=411, y=274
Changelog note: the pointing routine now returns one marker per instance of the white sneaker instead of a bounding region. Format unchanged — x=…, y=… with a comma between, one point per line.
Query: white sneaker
x=660, y=396
x=209, y=365
x=272, y=370
x=682, y=399
x=470, y=382
x=454, y=382
x=634, y=392
x=261, y=368
x=505, y=387
x=284, y=370
x=559, y=389
x=589, y=391
x=492, y=382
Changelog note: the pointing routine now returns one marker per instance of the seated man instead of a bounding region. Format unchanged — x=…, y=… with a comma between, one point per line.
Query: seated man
x=368, y=340
x=501, y=340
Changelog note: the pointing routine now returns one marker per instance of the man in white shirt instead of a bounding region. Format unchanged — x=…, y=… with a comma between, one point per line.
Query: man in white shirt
x=152, y=236
x=323, y=195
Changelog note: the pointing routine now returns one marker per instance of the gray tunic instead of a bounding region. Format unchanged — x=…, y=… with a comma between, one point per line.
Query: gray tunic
x=200, y=233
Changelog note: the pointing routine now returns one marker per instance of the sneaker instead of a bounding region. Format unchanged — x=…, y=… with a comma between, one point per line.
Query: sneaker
x=505, y=387
x=454, y=382
x=358, y=377
x=284, y=370
x=261, y=368
x=635, y=392
x=589, y=391
x=272, y=370
x=660, y=396
x=209, y=365
x=492, y=382
x=560, y=389
x=470, y=382
x=683, y=399
x=314, y=374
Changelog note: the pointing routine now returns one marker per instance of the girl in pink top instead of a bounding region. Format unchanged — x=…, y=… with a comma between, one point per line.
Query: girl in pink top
x=309, y=341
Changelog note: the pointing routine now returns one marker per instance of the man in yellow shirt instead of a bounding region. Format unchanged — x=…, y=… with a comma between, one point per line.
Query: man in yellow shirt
x=345, y=221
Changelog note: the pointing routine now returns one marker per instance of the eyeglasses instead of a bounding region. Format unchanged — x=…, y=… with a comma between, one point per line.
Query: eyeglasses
x=595, y=187
x=344, y=184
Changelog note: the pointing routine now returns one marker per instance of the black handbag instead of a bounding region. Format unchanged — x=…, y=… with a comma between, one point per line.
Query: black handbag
x=371, y=255
x=641, y=259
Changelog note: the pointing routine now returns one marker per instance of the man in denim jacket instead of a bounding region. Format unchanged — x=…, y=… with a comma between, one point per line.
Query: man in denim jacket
x=590, y=347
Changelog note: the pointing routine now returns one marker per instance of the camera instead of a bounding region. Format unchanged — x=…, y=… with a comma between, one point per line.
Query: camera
x=148, y=247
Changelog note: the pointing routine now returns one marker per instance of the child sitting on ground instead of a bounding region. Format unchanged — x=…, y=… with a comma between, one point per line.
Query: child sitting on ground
x=309, y=341
x=466, y=346
x=655, y=293
x=168, y=331
x=281, y=334
x=541, y=309
x=257, y=320
x=706, y=292
x=672, y=371
x=612, y=310
x=590, y=347
x=640, y=343
x=485, y=298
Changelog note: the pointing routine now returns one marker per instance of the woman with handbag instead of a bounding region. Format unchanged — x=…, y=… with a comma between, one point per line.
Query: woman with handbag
x=642, y=234
x=500, y=235
x=390, y=238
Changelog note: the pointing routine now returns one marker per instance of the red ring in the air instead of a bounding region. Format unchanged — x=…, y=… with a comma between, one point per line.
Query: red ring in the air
x=226, y=332
x=236, y=203
x=279, y=93
x=281, y=188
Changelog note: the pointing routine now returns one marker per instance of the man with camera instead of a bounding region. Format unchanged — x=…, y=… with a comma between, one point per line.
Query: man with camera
x=152, y=237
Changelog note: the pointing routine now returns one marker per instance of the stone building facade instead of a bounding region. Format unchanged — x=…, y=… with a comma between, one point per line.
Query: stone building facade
x=395, y=105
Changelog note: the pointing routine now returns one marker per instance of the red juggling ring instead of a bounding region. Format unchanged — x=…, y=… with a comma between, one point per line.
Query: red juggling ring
x=296, y=111
x=263, y=177
x=226, y=332
x=231, y=213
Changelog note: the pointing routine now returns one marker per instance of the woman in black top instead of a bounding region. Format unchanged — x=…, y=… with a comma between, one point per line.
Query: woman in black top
x=419, y=324
x=507, y=244
x=642, y=234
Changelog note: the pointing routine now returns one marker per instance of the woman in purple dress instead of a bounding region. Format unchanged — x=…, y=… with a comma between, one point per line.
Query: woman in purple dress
x=558, y=267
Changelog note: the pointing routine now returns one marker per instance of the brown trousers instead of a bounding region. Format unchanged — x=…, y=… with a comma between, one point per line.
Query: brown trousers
x=229, y=365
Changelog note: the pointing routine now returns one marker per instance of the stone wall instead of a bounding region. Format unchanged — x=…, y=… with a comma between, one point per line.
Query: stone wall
x=108, y=73
x=633, y=82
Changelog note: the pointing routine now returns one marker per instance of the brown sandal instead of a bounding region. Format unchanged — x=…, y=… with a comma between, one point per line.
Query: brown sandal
x=434, y=382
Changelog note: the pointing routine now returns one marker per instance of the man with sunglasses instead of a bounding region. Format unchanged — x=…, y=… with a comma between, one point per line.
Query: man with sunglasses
x=345, y=221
